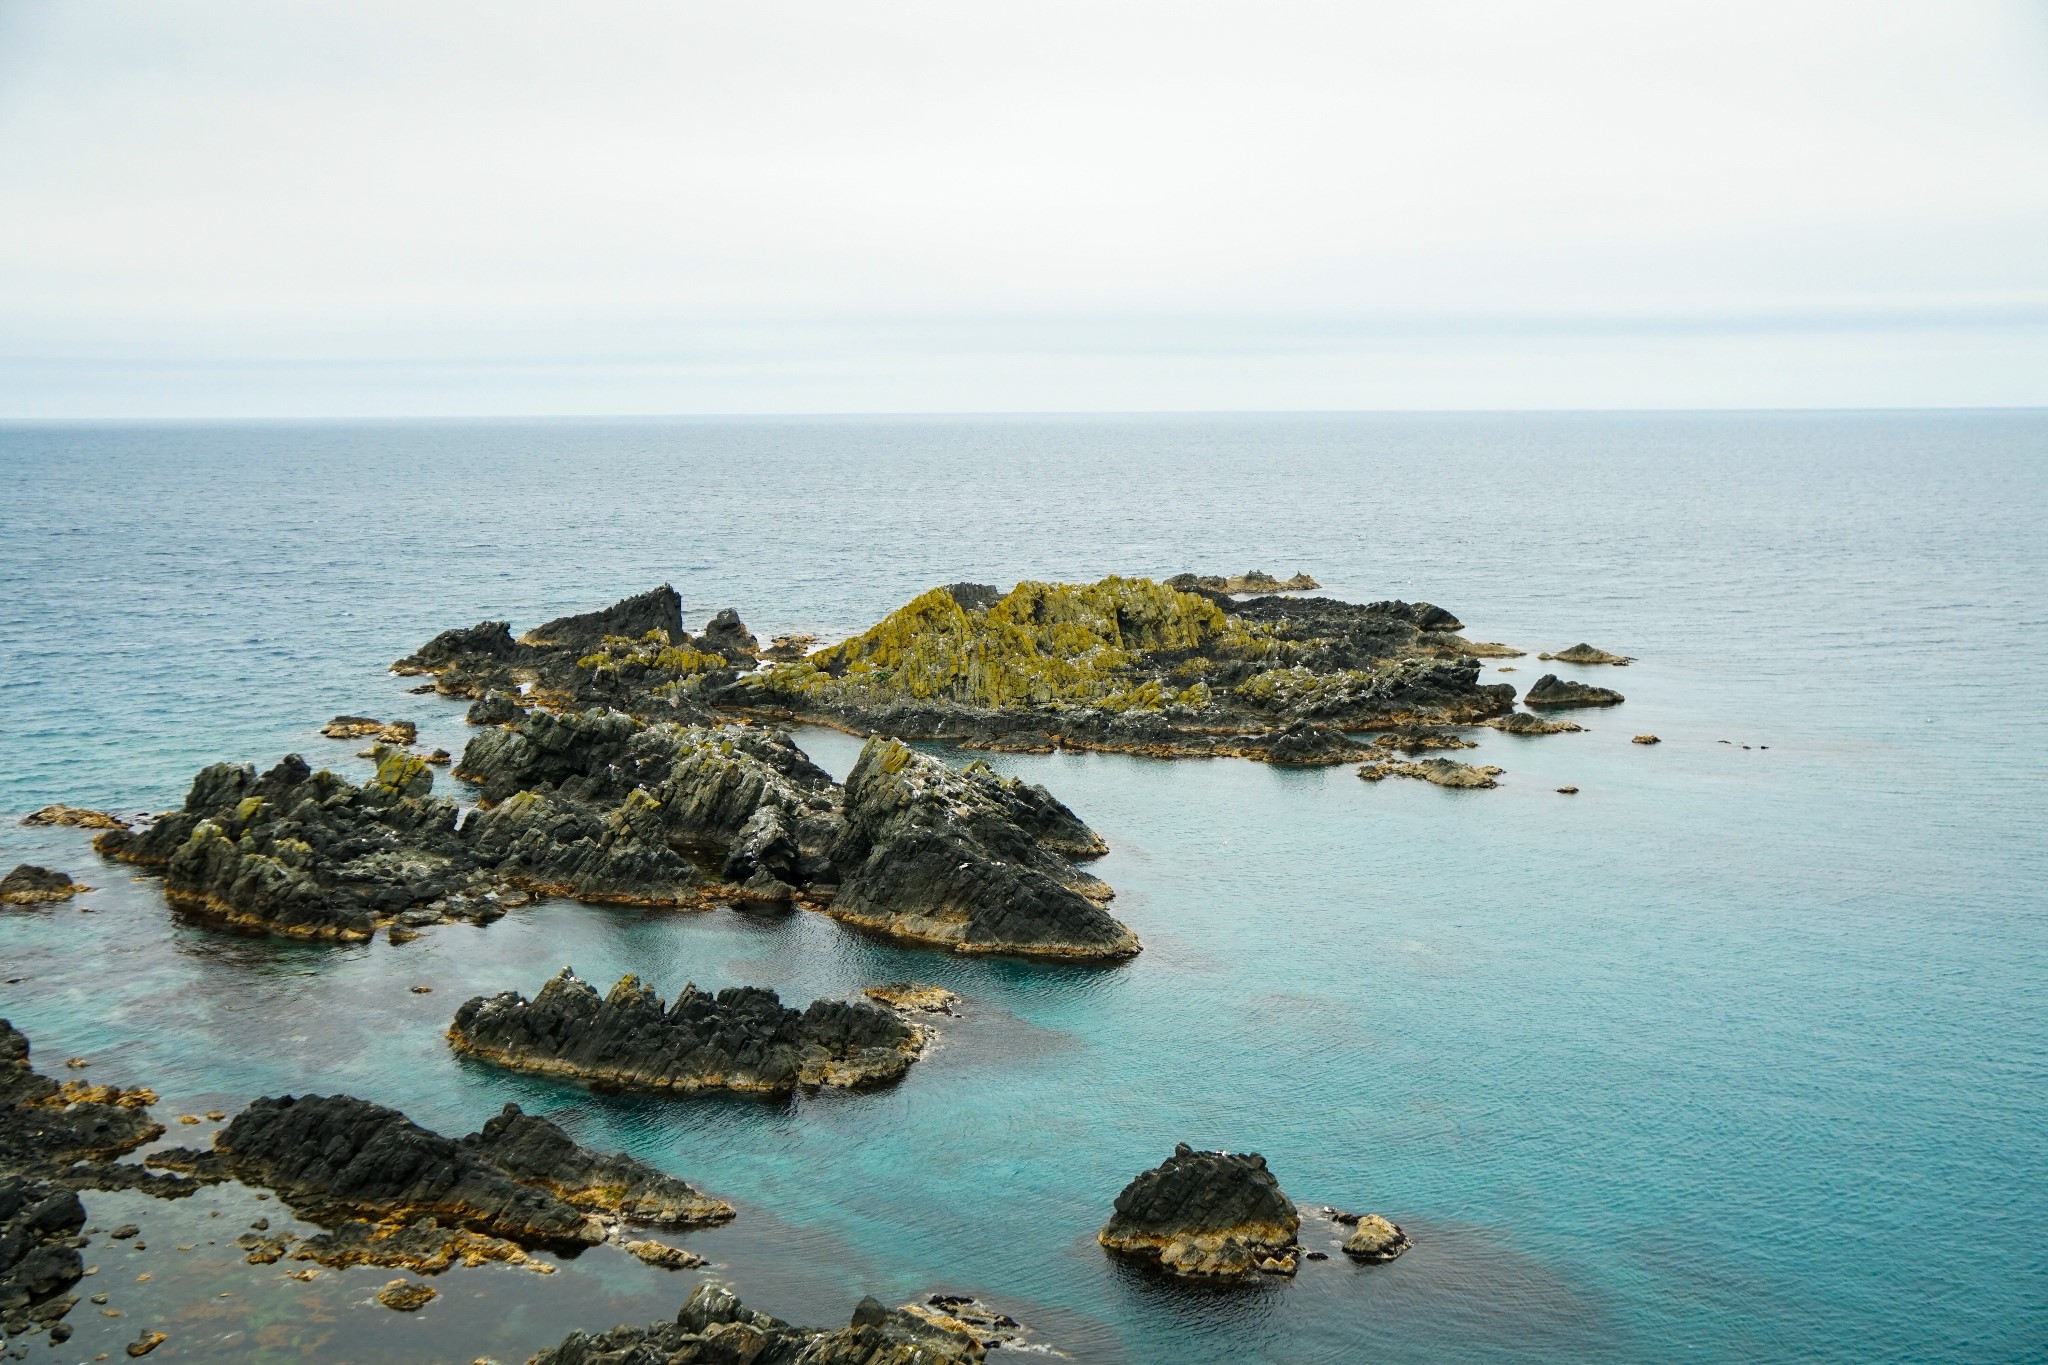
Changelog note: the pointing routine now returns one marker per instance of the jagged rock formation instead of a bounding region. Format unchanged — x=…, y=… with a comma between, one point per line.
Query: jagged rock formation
x=1586, y=654
x=45, y=1126
x=1241, y=584
x=602, y=806
x=715, y=1328
x=1208, y=1215
x=28, y=884
x=536, y=1152
x=335, y=1157
x=1552, y=691
x=962, y=859
x=1442, y=772
x=741, y=1039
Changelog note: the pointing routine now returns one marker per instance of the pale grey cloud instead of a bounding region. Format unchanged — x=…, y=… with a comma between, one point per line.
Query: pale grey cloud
x=369, y=207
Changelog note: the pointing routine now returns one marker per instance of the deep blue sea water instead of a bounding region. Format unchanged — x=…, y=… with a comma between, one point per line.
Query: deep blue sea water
x=1739, y=1054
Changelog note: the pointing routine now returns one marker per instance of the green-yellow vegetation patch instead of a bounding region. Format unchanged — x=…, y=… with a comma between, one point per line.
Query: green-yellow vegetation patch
x=1042, y=644
x=651, y=653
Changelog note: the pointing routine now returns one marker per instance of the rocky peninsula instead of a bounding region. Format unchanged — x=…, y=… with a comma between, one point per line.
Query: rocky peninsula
x=606, y=807
x=741, y=1039
x=1206, y=1215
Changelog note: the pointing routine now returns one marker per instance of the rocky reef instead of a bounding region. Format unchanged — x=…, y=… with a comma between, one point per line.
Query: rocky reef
x=1554, y=692
x=1206, y=1215
x=1441, y=772
x=77, y=817
x=715, y=1328
x=28, y=884
x=743, y=1038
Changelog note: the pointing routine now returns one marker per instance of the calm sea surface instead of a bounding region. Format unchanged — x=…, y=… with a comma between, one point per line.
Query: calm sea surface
x=1740, y=1054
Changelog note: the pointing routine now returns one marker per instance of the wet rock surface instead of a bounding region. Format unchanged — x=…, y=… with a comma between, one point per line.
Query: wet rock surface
x=961, y=859
x=1585, y=654
x=743, y=1038
x=28, y=884
x=715, y=1328
x=1206, y=1215
x=1552, y=691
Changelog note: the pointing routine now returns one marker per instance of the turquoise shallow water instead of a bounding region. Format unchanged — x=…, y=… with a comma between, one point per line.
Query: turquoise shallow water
x=1739, y=1054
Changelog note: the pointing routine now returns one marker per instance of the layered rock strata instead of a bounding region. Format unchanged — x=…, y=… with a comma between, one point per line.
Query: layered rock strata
x=1206, y=1215
x=715, y=1328
x=743, y=1038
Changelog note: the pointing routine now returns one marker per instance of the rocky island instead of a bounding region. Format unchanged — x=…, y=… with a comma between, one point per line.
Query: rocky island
x=1206, y=1215
x=1124, y=664
x=742, y=1039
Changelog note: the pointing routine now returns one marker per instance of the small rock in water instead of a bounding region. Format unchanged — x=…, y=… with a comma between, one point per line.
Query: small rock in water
x=124, y=1232
x=1375, y=1240
x=1646, y=739
x=32, y=885
x=663, y=1255
x=405, y=1296
x=911, y=996
x=146, y=1343
x=422, y=990
x=1567, y=791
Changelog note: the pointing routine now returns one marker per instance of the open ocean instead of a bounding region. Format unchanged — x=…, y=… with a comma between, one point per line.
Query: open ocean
x=1741, y=1054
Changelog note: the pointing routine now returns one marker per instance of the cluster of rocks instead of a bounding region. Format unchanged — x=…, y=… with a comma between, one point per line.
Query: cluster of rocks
x=715, y=1328
x=1441, y=772
x=1222, y=1216
x=743, y=1038
x=606, y=807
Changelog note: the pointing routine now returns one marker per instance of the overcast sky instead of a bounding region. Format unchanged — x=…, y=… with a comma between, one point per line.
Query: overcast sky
x=213, y=208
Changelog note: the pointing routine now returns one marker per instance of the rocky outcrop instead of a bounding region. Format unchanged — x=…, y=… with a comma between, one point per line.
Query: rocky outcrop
x=333, y=1158
x=1441, y=772
x=1255, y=581
x=1206, y=1215
x=1552, y=691
x=1586, y=654
x=715, y=1328
x=938, y=856
x=910, y=997
x=743, y=1038
x=28, y=884
x=535, y=1152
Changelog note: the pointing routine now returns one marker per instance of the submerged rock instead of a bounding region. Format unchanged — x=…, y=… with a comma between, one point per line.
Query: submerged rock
x=1586, y=654
x=961, y=860
x=1254, y=581
x=28, y=884
x=715, y=1328
x=1442, y=772
x=76, y=816
x=1523, y=723
x=742, y=1038
x=406, y=1296
x=1206, y=1215
x=1550, y=690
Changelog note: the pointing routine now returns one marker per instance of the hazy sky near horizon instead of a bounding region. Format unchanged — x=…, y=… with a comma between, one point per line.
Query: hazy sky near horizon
x=242, y=208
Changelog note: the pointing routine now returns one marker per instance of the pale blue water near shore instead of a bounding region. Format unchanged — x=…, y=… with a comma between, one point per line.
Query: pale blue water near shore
x=1740, y=1054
